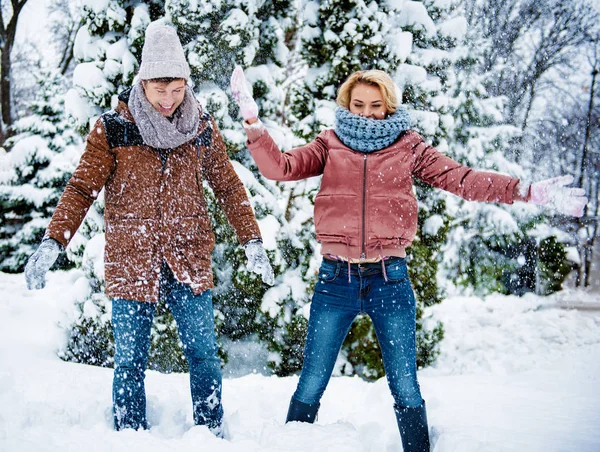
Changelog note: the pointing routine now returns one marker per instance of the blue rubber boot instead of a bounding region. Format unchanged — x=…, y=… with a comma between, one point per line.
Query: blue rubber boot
x=412, y=423
x=302, y=412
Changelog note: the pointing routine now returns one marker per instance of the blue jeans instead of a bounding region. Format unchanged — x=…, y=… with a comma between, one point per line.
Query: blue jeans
x=132, y=321
x=336, y=303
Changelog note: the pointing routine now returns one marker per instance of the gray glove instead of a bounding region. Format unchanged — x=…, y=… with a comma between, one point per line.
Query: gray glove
x=258, y=261
x=40, y=262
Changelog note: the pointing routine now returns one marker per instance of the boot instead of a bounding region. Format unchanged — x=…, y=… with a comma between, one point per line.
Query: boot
x=302, y=412
x=412, y=423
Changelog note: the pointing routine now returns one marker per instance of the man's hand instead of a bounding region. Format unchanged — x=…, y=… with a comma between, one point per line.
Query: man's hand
x=40, y=262
x=258, y=261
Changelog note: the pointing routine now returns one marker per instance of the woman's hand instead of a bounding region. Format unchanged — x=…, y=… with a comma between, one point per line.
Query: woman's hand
x=554, y=194
x=243, y=96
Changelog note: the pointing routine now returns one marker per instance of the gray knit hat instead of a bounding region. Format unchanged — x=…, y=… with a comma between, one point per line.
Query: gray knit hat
x=162, y=55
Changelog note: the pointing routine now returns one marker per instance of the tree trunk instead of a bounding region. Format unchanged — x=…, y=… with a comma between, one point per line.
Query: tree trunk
x=586, y=251
x=5, y=85
x=594, y=234
x=7, y=39
x=588, y=130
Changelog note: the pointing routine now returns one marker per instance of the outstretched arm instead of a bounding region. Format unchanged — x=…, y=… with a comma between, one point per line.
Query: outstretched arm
x=441, y=171
x=555, y=194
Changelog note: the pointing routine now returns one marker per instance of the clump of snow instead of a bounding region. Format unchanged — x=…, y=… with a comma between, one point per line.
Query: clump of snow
x=408, y=74
x=455, y=28
x=311, y=13
x=78, y=107
x=425, y=121
x=86, y=46
x=414, y=14
x=433, y=224
x=400, y=44
x=95, y=5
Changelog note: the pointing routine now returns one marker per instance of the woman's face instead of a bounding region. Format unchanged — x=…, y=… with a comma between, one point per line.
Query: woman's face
x=165, y=97
x=366, y=100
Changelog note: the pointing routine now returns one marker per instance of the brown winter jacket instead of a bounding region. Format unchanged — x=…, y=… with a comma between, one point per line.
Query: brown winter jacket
x=366, y=207
x=153, y=212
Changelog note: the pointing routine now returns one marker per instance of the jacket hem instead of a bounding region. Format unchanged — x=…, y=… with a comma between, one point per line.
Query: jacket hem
x=348, y=252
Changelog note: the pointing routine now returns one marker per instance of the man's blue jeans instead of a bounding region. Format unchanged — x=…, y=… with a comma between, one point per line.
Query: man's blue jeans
x=336, y=303
x=132, y=321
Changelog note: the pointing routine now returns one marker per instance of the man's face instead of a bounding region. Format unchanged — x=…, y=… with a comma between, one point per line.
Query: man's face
x=165, y=97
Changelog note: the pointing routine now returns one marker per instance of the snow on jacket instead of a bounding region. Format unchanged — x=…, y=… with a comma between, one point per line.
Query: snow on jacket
x=366, y=207
x=155, y=210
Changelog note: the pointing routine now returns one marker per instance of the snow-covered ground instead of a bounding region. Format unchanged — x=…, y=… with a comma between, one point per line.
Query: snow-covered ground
x=515, y=374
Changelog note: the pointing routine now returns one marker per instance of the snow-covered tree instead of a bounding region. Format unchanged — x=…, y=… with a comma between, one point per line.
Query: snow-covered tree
x=497, y=247
x=42, y=154
x=338, y=38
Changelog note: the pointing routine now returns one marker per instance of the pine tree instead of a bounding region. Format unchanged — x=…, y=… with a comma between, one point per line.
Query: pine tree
x=491, y=247
x=42, y=154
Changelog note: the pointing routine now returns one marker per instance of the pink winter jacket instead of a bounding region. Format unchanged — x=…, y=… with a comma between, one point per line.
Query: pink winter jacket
x=366, y=207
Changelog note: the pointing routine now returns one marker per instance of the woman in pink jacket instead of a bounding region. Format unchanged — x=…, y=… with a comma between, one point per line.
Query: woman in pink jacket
x=365, y=217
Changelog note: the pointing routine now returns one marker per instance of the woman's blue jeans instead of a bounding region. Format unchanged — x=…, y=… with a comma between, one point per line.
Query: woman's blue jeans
x=132, y=321
x=336, y=303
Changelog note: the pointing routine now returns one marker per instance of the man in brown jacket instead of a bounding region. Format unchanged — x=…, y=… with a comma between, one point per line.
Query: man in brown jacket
x=151, y=155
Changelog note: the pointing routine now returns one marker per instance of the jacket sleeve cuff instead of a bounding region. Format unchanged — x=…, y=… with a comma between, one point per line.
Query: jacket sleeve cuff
x=522, y=192
x=60, y=245
x=254, y=131
x=255, y=240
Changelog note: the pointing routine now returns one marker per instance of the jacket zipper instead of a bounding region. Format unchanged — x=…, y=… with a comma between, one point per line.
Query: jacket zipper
x=162, y=183
x=160, y=211
x=162, y=189
x=364, y=208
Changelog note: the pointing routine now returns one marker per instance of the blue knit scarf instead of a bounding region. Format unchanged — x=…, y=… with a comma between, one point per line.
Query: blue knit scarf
x=369, y=135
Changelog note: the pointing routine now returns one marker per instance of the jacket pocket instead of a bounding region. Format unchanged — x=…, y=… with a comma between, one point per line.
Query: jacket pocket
x=130, y=250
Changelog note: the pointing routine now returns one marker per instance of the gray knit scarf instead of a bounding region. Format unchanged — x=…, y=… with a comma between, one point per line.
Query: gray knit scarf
x=158, y=131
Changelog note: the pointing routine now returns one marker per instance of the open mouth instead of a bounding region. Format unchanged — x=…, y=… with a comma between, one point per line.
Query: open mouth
x=165, y=108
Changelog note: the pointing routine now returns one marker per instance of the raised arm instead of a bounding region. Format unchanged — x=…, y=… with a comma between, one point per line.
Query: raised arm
x=300, y=163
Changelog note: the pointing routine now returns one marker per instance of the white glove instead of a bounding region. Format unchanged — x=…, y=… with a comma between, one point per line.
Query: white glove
x=40, y=262
x=258, y=261
x=554, y=194
x=242, y=94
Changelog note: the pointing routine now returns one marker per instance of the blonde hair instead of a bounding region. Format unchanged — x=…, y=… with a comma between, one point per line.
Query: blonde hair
x=372, y=77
